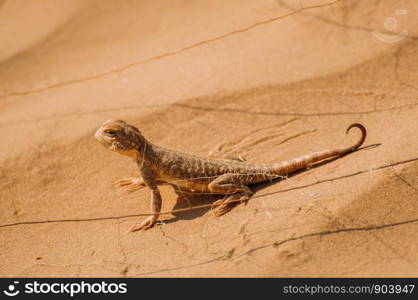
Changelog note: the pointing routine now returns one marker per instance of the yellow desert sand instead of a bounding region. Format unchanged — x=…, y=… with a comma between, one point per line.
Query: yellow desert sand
x=267, y=80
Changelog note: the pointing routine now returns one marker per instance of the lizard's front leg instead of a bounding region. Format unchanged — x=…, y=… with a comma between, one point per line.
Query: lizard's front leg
x=131, y=184
x=156, y=203
x=229, y=184
x=155, y=208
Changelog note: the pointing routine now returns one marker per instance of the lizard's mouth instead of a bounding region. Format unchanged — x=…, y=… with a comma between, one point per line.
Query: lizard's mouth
x=99, y=137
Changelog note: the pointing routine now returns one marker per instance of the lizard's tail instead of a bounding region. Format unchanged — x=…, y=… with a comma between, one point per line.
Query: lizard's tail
x=302, y=162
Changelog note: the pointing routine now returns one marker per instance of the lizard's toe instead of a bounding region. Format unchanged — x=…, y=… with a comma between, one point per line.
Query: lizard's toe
x=225, y=205
x=222, y=209
x=122, y=182
x=130, y=184
x=146, y=224
x=138, y=227
x=218, y=202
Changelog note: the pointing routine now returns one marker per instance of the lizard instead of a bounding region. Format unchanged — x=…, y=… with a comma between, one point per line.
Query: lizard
x=185, y=172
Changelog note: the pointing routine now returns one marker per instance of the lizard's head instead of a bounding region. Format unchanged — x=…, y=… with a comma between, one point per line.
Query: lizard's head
x=120, y=137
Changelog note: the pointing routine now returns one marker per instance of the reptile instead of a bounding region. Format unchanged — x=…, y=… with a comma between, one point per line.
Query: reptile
x=189, y=173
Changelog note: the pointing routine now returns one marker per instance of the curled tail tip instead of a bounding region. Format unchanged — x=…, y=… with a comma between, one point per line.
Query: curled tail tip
x=358, y=125
x=363, y=134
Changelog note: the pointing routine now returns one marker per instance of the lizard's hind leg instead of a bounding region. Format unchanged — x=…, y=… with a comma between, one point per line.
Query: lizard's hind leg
x=230, y=185
x=130, y=184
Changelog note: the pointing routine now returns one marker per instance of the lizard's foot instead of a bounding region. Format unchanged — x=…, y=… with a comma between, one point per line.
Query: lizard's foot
x=225, y=205
x=223, y=208
x=131, y=184
x=144, y=225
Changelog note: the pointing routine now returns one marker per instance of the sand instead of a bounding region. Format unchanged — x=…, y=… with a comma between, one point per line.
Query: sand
x=192, y=75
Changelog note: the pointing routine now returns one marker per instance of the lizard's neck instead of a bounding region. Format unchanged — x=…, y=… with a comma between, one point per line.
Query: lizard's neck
x=140, y=152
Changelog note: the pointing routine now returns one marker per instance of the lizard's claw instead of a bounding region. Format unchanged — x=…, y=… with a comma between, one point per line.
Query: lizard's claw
x=130, y=184
x=225, y=205
x=144, y=225
x=222, y=209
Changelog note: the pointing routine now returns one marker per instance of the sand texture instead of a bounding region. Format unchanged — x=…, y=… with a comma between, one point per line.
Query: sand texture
x=272, y=79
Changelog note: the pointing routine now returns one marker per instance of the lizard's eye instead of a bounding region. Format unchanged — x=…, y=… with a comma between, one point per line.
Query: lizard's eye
x=111, y=133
